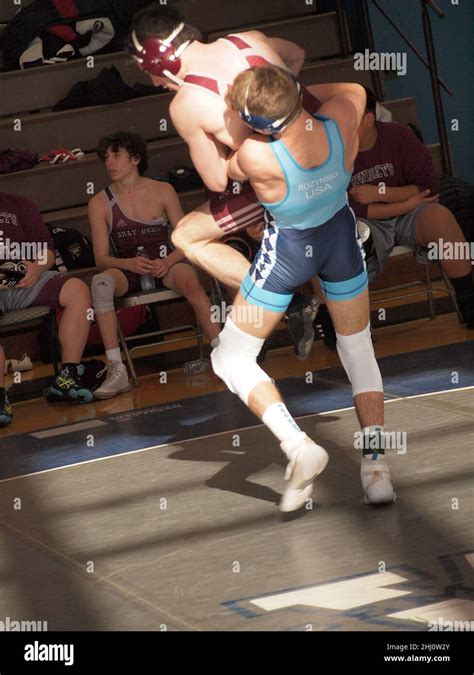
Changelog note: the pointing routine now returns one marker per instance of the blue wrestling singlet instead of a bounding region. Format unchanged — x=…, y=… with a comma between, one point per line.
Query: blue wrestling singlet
x=310, y=232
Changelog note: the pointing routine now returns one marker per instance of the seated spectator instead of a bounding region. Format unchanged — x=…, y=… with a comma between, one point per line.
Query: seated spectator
x=132, y=212
x=25, y=237
x=394, y=191
x=5, y=407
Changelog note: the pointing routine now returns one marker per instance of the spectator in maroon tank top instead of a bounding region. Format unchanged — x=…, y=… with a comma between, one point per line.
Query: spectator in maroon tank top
x=136, y=211
x=394, y=191
x=23, y=236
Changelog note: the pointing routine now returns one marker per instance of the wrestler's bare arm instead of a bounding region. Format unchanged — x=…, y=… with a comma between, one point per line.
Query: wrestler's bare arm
x=325, y=92
x=347, y=109
x=190, y=116
x=234, y=170
x=253, y=162
x=289, y=52
x=167, y=195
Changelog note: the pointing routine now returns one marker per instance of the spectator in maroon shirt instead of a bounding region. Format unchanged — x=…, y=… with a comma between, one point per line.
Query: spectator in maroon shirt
x=394, y=191
x=24, y=236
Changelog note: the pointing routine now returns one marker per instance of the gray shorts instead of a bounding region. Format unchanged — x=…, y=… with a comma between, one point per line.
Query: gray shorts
x=19, y=298
x=398, y=231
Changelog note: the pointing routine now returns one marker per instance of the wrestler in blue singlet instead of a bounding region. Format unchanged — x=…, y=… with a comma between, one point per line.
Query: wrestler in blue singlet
x=311, y=232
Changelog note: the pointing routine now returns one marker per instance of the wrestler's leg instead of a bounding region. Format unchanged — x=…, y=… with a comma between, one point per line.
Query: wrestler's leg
x=197, y=236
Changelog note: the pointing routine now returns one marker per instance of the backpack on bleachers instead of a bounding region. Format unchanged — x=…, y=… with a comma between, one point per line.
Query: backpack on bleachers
x=73, y=249
x=17, y=160
x=51, y=31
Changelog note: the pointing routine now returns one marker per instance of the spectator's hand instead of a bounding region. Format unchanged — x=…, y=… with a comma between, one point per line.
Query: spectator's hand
x=420, y=198
x=161, y=268
x=365, y=194
x=32, y=275
x=141, y=265
x=255, y=232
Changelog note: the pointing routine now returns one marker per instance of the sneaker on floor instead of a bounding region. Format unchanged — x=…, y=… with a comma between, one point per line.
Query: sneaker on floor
x=67, y=386
x=307, y=460
x=20, y=365
x=116, y=381
x=325, y=327
x=301, y=313
x=6, y=413
x=376, y=480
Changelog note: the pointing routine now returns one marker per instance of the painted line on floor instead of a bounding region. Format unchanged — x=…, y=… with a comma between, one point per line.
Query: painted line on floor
x=219, y=433
x=59, y=431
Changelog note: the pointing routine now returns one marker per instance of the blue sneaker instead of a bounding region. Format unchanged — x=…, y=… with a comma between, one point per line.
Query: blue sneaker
x=68, y=386
x=6, y=413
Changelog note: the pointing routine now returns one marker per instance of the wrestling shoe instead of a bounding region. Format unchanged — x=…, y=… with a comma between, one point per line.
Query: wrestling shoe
x=67, y=386
x=301, y=313
x=6, y=413
x=376, y=480
x=307, y=460
x=115, y=383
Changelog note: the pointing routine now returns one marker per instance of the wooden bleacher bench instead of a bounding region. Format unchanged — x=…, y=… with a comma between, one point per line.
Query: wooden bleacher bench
x=403, y=110
x=8, y=9
x=34, y=89
x=218, y=14
x=59, y=187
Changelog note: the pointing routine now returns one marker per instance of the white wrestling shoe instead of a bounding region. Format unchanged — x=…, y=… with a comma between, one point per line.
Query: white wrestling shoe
x=115, y=383
x=376, y=480
x=307, y=460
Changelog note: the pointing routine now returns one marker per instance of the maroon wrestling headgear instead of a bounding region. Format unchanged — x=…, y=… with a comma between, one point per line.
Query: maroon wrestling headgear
x=159, y=56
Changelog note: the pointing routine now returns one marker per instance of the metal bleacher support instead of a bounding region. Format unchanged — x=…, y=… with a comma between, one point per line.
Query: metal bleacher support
x=377, y=297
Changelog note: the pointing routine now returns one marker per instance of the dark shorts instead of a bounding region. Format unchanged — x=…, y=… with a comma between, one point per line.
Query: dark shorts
x=289, y=258
x=49, y=294
x=236, y=208
x=134, y=279
x=45, y=292
x=398, y=231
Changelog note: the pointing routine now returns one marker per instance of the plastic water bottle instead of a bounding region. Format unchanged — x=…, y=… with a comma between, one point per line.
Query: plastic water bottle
x=196, y=367
x=147, y=281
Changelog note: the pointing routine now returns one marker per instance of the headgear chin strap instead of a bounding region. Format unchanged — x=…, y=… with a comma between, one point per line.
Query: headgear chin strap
x=159, y=56
x=265, y=125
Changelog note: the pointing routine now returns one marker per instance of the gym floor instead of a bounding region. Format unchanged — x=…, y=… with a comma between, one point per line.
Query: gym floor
x=157, y=510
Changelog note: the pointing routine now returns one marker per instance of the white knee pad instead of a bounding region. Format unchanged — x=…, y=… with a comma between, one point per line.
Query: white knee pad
x=357, y=356
x=235, y=360
x=103, y=288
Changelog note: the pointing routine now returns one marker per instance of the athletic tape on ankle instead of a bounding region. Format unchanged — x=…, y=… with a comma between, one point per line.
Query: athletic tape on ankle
x=373, y=441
